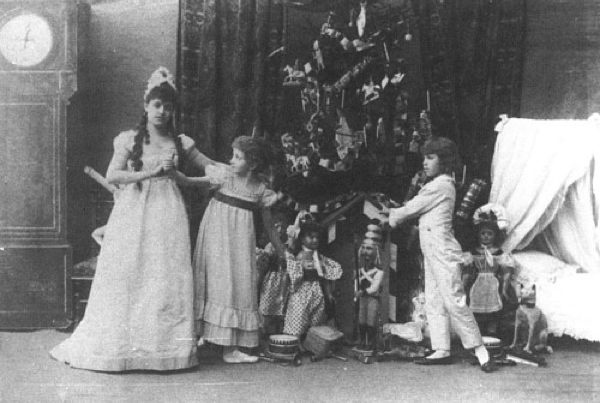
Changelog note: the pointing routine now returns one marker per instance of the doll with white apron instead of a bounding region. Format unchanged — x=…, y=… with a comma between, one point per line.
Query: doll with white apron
x=491, y=268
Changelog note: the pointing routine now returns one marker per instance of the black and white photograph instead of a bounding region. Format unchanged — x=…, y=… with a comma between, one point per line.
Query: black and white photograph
x=299, y=201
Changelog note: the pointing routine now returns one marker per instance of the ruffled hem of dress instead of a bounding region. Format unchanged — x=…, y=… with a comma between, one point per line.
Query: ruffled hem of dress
x=228, y=317
x=120, y=364
x=223, y=336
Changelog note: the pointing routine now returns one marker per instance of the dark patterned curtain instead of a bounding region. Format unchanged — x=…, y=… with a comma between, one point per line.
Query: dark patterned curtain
x=472, y=53
x=228, y=82
x=224, y=69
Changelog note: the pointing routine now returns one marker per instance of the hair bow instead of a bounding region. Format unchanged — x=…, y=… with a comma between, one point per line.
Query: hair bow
x=161, y=75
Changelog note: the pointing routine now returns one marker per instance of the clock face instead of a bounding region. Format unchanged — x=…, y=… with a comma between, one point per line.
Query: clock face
x=26, y=39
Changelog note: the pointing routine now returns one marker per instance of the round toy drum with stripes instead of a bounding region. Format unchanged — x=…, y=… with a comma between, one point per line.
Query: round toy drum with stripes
x=493, y=345
x=283, y=344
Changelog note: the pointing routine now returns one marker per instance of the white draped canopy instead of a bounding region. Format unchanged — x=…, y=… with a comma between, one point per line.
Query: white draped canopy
x=545, y=173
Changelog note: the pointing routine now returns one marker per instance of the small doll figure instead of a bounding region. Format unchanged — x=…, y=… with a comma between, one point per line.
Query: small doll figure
x=312, y=277
x=491, y=269
x=368, y=293
x=273, y=281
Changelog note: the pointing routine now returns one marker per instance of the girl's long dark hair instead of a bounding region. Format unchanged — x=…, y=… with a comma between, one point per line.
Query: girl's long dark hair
x=165, y=93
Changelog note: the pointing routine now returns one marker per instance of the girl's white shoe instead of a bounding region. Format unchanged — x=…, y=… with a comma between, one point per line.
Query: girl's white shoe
x=237, y=357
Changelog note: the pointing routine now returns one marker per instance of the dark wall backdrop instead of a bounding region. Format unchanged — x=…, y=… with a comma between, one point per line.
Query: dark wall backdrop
x=473, y=59
x=121, y=42
x=562, y=59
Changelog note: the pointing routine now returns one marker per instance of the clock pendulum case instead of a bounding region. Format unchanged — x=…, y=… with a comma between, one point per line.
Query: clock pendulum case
x=38, y=66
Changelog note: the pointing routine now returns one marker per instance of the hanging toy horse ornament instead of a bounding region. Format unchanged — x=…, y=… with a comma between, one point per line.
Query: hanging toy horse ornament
x=294, y=75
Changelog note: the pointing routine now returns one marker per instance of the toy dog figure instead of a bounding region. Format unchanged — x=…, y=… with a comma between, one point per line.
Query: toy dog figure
x=530, y=319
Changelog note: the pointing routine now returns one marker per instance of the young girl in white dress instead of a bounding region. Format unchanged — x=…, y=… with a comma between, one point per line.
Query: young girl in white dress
x=226, y=277
x=139, y=314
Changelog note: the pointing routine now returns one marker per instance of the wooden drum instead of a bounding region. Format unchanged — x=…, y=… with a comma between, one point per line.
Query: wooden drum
x=283, y=345
x=493, y=345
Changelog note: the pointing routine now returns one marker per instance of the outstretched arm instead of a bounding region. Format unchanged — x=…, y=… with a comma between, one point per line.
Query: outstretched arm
x=198, y=181
x=199, y=160
x=427, y=198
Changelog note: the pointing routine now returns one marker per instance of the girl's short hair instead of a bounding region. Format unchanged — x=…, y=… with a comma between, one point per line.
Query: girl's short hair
x=256, y=151
x=446, y=150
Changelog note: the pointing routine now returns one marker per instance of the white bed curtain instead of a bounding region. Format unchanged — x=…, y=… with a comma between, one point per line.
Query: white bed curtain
x=545, y=173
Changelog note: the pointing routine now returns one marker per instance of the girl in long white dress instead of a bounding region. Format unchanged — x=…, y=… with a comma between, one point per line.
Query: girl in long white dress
x=139, y=314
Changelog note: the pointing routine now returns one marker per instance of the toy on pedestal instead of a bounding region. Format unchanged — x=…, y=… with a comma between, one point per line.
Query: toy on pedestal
x=367, y=293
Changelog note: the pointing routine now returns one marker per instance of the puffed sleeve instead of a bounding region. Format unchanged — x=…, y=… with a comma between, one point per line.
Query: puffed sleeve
x=123, y=143
x=428, y=197
x=217, y=172
x=468, y=264
x=507, y=263
x=187, y=143
x=123, y=146
x=268, y=198
x=192, y=154
x=332, y=270
x=467, y=258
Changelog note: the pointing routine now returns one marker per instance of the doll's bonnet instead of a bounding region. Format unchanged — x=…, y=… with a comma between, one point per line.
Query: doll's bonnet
x=491, y=216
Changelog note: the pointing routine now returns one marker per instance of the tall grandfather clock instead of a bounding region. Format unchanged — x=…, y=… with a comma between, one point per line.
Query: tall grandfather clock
x=37, y=77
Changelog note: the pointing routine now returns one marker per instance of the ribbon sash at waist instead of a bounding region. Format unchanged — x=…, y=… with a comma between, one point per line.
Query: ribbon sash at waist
x=235, y=202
